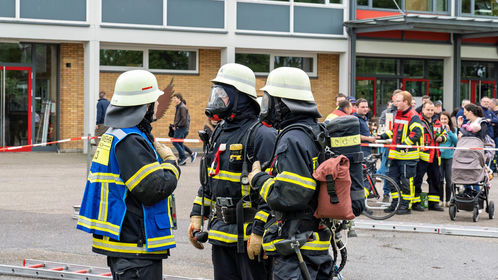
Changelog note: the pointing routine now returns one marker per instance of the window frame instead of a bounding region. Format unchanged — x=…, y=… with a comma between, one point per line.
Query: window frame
x=145, y=59
x=291, y=5
x=314, y=57
x=472, y=11
x=403, y=8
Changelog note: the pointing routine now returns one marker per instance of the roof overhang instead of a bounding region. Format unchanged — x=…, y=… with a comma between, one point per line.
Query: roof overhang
x=467, y=27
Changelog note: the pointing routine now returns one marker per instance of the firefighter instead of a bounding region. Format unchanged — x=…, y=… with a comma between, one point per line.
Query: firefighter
x=126, y=203
x=402, y=162
x=236, y=224
x=289, y=189
x=430, y=159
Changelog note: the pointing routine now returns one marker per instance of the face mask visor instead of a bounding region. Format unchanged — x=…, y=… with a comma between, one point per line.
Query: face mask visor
x=218, y=102
x=265, y=116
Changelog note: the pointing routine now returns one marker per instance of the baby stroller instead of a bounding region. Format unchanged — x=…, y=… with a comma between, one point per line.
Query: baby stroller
x=471, y=167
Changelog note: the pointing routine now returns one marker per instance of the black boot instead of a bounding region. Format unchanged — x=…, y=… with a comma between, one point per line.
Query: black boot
x=418, y=207
x=403, y=208
x=392, y=206
x=435, y=207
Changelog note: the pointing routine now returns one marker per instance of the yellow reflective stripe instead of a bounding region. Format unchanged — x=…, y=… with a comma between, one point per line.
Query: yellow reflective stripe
x=416, y=199
x=172, y=168
x=98, y=225
x=434, y=198
x=198, y=201
x=411, y=155
x=270, y=246
x=122, y=247
x=315, y=245
x=100, y=177
x=228, y=176
x=265, y=189
x=389, y=134
x=408, y=141
x=345, y=141
x=365, y=190
x=161, y=241
x=416, y=124
x=226, y=237
x=262, y=216
x=296, y=179
x=394, y=195
x=104, y=198
x=424, y=156
x=141, y=174
x=245, y=190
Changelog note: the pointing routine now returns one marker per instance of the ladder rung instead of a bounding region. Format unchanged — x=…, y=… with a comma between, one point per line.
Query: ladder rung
x=82, y=271
x=106, y=274
x=36, y=265
x=58, y=268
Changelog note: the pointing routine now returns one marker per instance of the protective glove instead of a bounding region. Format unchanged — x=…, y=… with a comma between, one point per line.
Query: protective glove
x=256, y=168
x=195, y=225
x=254, y=246
x=164, y=152
x=358, y=206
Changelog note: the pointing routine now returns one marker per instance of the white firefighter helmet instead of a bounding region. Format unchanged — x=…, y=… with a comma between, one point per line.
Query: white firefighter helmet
x=239, y=76
x=135, y=87
x=290, y=83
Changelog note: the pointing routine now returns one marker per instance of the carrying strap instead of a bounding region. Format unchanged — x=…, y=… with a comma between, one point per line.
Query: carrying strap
x=331, y=190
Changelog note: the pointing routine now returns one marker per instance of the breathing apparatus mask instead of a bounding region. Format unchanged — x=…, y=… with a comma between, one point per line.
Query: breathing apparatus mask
x=273, y=111
x=221, y=101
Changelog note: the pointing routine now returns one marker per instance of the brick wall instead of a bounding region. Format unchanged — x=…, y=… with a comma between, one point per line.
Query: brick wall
x=72, y=95
x=194, y=88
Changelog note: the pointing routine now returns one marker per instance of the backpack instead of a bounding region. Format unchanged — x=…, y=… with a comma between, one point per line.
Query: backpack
x=339, y=160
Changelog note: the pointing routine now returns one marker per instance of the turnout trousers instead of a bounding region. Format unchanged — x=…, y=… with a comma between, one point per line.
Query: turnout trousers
x=403, y=172
x=135, y=269
x=230, y=265
x=433, y=178
x=319, y=266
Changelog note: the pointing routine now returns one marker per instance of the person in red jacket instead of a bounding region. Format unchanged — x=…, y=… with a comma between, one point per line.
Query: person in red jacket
x=430, y=159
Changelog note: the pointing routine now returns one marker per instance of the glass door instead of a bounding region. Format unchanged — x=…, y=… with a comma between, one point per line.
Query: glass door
x=417, y=87
x=475, y=90
x=15, y=104
x=367, y=88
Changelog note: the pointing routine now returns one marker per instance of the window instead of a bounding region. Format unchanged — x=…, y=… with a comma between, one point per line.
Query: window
x=125, y=58
x=304, y=63
x=409, y=5
x=259, y=63
x=15, y=53
x=184, y=61
x=262, y=64
x=480, y=7
x=172, y=60
x=377, y=66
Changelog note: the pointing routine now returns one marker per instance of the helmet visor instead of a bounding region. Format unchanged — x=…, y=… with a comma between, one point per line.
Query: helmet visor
x=265, y=103
x=218, y=98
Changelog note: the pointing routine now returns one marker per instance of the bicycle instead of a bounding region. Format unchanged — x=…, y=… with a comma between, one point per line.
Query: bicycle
x=378, y=206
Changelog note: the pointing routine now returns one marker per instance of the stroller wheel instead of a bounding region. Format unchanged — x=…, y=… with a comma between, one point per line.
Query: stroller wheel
x=475, y=216
x=452, y=210
x=491, y=209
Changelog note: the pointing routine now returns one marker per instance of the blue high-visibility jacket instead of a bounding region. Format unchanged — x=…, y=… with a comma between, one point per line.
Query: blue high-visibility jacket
x=103, y=207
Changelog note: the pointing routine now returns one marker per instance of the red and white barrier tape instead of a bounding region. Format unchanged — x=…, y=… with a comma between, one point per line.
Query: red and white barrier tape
x=12, y=148
x=4, y=149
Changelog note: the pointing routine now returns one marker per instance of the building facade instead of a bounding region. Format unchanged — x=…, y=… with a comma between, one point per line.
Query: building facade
x=56, y=55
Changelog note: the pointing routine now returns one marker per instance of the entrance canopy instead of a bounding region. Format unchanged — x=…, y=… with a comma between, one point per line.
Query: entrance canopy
x=466, y=26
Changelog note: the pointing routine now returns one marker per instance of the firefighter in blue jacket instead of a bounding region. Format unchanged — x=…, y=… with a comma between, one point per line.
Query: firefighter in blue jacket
x=126, y=202
x=290, y=189
x=238, y=215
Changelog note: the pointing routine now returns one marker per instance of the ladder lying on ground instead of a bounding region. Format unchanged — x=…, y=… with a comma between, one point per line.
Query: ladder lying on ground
x=57, y=270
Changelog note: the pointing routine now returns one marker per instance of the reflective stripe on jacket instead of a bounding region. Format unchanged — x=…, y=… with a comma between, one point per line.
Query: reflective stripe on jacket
x=407, y=130
x=432, y=131
x=103, y=207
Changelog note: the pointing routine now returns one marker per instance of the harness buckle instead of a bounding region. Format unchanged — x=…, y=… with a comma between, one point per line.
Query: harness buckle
x=224, y=202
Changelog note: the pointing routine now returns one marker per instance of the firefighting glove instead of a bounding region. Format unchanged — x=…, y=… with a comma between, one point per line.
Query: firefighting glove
x=195, y=225
x=358, y=206
x=164, y=152
x=256, y=168
x=254, y=246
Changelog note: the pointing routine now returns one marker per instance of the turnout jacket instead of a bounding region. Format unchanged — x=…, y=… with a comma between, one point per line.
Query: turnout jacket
x=407, y=130
x=432, y=130
x=126, y=202
x=225, y=184
x=291, y=191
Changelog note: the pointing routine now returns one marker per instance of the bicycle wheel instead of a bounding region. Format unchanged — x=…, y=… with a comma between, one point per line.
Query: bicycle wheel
x=378, y=207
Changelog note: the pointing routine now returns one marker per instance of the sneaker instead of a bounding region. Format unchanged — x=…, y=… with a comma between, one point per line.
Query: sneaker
x=182, y=162
x=193, y=157
x=418, y=207
x=386, y=198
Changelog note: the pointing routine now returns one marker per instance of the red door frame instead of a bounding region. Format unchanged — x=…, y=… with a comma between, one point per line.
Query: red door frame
x=473, y=88
x=417, y=80
x=30, y=107
x=374, y=92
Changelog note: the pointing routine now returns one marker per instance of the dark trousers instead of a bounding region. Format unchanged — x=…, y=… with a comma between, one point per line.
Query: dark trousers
x=287, y=267
x=446, y=178
x=181, y=133
x=433, y=178
x=230, y=265
x=402, y=172
x=135, y=269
